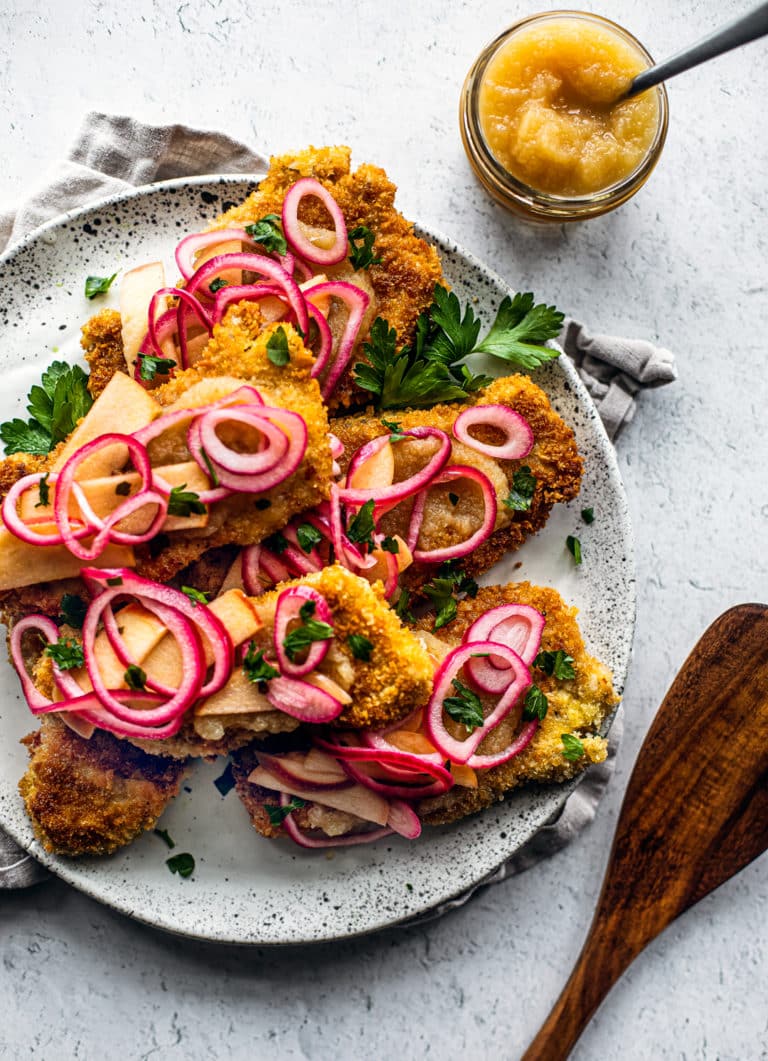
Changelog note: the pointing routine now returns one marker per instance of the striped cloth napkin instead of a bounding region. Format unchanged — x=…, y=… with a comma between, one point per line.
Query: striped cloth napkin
x=114, y=153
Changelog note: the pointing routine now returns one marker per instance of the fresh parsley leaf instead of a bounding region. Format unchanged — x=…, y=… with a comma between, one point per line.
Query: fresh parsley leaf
x=302, y=637
x=195, y=595
x=362, y=527
x=116, y=581
x=588, y=515
x=308, y=537
x=556, y=664
x=465, y=707
x=183, y=502
x=225, y=782
x=269, y=233
x=440, y=592
x=55, y=407
x=519, y=328
x=152, y=366
x=66, y=654
x=574, y=548
x=395, y=429
x=73, y=609
x=123, y=489
x=165, y=837
x=361, y=241
x=402, y=611
x=44, y=492
x=183, y=864
x=256, y=668
x=98, y=285
x=277, y=814
x=306, y=611
x=535, y=704
x=212, y=472
x=217, y=284
x=135, y=677
x=573, y=749
x=277, y=543
x=277, y=348
x=453, y=335
x=523, y=489
x=390, y=545
x=361, y=647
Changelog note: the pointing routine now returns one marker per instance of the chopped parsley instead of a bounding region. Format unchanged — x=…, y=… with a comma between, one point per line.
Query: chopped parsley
x=195, y=595
x=116, y=581
x=390, y=545
x=573, y=545
x=277, y=543
x=183, y=502
x=453, y=498
x=402, y=611
x=588, y=515
x=465, y=707
x=307, y=610
x=217, y=284
x=431, y=370
x=535, y=704
x=556, y=664
x=66, y=653
x=269, y=233
x=261, y=504
x=573, y=749
x=123, y=489
x=256, y=668
x=442, y=592
x=277, y=348
x=44, y=492
x=165, y=837
x=55, y=407
x=225, y=782
x=212, y=471
x=308, y=537
x=152, y=366
x=362, y=527
x=361, y=647
x=98, y=285
x=135, y=677
x=361, y=241
x=183, y=864
x=396, y=430
x=73, y=609
x=523, y=488
x=301, y=637
x=278, y=814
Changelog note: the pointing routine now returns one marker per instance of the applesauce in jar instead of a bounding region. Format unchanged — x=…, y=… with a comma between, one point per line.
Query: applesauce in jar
x=541, y=123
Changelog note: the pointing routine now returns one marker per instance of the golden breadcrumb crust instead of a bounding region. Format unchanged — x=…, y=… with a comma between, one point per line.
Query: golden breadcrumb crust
x=554, y=461
x=102, y=341
x=90, y=797
x=405, y=278
x=578, y=707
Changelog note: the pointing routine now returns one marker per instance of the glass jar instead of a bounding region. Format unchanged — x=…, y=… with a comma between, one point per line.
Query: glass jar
x=514, y=192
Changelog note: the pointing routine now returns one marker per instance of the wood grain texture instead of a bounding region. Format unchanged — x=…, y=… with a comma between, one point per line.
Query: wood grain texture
x=694, y=814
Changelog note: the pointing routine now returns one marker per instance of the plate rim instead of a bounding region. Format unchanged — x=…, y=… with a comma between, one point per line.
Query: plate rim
x=62, y=869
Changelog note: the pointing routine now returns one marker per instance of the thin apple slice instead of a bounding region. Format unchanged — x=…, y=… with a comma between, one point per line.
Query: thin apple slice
x=238, y=697
x=25, y=565
x=369, y=806
x=136, y=290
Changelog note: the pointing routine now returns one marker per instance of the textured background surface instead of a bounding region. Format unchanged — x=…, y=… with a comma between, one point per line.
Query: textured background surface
x=684, y=263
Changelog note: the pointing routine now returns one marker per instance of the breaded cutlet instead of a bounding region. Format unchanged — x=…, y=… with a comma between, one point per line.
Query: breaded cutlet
x=91, y=797
x=554, y=461
x=578, y=706
x=102, y=343
x=403, y=281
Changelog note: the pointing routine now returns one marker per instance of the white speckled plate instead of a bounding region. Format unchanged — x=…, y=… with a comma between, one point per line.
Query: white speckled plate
x=246, y=889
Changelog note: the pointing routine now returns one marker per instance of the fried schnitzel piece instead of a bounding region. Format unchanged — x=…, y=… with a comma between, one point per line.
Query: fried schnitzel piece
x=554, y=461
x=578, y=706
x=91, y=797
x=403, y=280
x=102, y=342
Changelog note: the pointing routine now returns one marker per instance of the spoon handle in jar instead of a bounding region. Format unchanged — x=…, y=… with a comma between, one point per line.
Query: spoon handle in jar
x=742, y=30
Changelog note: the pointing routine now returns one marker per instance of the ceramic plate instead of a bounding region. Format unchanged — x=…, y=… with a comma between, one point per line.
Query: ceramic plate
x=246, y=889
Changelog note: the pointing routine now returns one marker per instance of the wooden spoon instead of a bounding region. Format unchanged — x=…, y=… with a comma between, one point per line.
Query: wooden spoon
x=694, y=814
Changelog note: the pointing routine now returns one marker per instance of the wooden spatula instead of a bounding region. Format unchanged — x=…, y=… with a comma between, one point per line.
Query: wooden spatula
x=694, y=814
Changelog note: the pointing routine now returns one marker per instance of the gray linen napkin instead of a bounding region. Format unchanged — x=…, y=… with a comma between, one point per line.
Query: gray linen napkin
x=113, y=153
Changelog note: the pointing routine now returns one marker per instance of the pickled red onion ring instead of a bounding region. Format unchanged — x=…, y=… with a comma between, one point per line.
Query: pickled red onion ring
x=289, y=604
x=518, y=626
x=519, y=435
x=386, y=496
x=357, y=302
x=484, y=531
x=23, y=530
x=303, y=246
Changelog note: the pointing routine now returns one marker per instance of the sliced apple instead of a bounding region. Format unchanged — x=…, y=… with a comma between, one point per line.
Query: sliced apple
x=238, y=616
x=122, y=406
x=369, y=806
x=25, y=565
x=378, y=471
x=230, y=246
x=206, y=391
x=238, y=697
x=136, y=290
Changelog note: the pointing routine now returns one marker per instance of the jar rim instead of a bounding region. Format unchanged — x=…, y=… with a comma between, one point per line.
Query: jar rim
x=515, y=193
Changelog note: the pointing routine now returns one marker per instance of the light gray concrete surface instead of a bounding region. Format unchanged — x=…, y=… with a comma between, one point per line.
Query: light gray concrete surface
x=684, y=263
